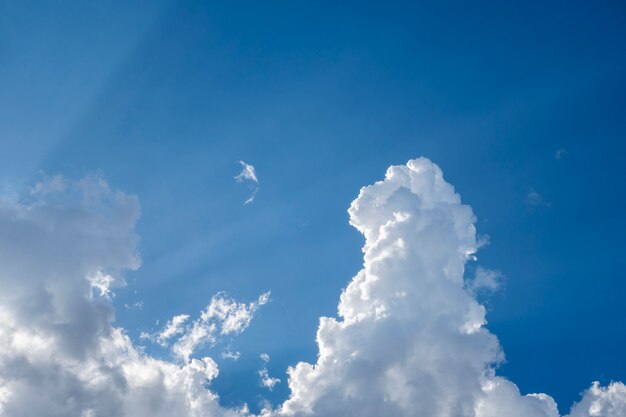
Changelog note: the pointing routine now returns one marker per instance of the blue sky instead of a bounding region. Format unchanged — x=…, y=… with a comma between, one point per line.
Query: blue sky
x=521, y=105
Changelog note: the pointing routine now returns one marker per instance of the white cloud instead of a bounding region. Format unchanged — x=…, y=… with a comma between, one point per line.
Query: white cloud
x=175, y=326
x=248, y=174
x=231, y=316
x=409, y=340
x=59, y=354
x=485, y=280
x=265, y=379
x=602, y=401
x=560, y=153
x=228, y=354
x=222, y=317
x=103, y=283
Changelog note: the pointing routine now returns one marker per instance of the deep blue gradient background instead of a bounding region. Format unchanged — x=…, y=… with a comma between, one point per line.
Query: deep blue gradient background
x=163, y=98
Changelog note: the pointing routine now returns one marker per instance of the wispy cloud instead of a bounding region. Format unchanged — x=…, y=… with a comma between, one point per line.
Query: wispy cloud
x=248, y=175
x=560, y=153
x=232, y=355
x=175, y=326
x=533, y=199
x=265, y=379
x=485, y=280
x=222, y=317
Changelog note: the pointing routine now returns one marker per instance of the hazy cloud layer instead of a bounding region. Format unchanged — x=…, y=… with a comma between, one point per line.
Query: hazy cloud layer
x=409, y=339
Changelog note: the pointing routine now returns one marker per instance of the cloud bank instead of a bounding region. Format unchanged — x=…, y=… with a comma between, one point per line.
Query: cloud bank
x=63, y=248
x=409, y=339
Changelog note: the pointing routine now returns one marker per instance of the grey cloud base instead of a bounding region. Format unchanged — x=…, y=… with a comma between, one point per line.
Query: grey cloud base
x=409, y=340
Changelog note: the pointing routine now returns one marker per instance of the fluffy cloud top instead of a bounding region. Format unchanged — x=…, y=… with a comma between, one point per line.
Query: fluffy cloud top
x=409, y=339
x=175, y=326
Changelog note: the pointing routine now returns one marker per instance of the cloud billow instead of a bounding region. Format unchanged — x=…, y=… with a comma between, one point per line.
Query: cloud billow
x=409, y=339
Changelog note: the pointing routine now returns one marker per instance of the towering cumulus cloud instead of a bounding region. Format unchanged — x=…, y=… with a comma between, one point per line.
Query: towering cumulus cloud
x=409, y=340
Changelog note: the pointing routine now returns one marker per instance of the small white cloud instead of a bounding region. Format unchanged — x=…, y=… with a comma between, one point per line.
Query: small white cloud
x=103, y=283
x=265, y=379
x=560, y=153
x=222, y=317
x=248, y=174
x=228, y=354
x=534, y=200
x=485, y=280
x=233, y=317
x=201, y=333
x=136, y=305
x=410, y=337
x=172, y=328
